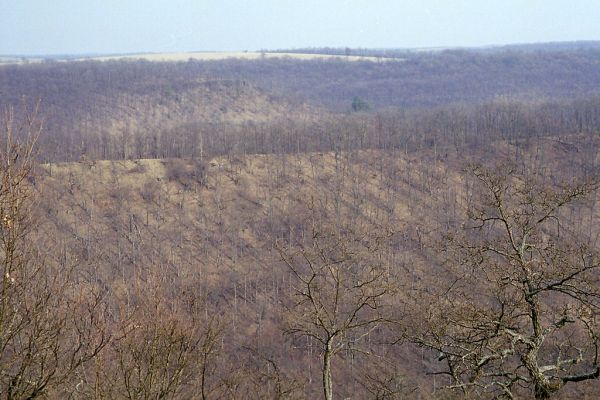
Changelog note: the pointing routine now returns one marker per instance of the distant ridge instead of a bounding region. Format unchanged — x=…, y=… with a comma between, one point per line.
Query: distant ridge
x=403, y=51
x=348, y=53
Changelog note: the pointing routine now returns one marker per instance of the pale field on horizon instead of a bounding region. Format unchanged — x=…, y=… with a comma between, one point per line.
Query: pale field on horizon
x=222, y=55
x=201, y=56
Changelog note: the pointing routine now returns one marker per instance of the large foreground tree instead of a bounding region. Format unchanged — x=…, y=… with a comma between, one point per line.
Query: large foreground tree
x=515, y=311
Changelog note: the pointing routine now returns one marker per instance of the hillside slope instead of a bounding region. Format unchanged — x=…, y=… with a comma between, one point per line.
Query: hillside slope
x=128, y=110
x=211, y=228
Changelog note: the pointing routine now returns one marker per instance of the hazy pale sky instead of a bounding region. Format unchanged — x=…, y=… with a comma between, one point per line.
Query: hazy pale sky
x=120, y=26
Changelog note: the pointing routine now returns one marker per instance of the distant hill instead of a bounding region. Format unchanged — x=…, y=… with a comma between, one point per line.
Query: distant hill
x=139, y=109
x=428, y=79
x=423, y=78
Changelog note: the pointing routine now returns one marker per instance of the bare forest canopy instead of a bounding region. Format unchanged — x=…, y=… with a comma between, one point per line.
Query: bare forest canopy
x=419, y=80
x=141, y=109
x=291, y=229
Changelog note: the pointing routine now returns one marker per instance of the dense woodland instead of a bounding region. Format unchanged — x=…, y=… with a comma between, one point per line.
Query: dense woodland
x=249, y=229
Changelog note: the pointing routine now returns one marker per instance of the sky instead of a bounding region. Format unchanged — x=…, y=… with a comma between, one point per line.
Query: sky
x=45, y=27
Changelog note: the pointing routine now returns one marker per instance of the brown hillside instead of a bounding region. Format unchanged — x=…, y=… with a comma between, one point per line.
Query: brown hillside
x=192, y=227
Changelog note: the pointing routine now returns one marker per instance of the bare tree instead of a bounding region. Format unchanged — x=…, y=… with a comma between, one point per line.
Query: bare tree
x=48, y=329
x=341, y=290
x=515, y=308
x=166, y=349
x=266, y=377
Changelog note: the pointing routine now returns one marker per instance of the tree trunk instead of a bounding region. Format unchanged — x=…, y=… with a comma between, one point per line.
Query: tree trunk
x=327, y=382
